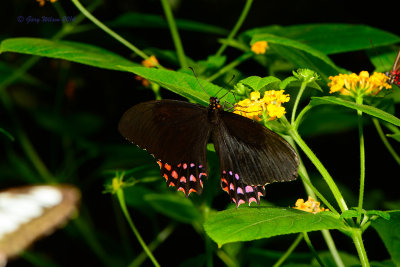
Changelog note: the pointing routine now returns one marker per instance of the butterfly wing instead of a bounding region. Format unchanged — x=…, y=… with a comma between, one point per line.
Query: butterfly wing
x=176, y=134
x=251, y=156
x=394, y=76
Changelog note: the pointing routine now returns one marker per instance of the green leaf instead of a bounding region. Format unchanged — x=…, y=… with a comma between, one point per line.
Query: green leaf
x=331, y=38
x=245, y=224
x=76, y=52
x=140, y=20
x=300, y=54
x=181, y=83
x=257, y=83
x=364, y=108
x=349, y=214
x=383, y=214
x=389, y=232
x=175, y=206
x=394, y=136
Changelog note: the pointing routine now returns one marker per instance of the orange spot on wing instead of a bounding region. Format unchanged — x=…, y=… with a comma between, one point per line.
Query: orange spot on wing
x=174, y=174
x=167, y=167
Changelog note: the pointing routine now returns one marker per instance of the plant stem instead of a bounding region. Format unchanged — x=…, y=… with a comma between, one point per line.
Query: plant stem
x=359, y=100
x=113, y=34
x=230, y=66
x=161, y=237
x=385, y=141
x=296, y=103
x=311, y=247
x=317, y=163
x=236, y=28
x=289, y=251
x=175, y=34
x=121, y=199
x=362, y=254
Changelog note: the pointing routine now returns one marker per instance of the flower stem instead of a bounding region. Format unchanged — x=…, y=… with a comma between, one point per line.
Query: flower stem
x=175, y=35
x=317, y=163
x=236, y=28
x=362, y=254
x=311, y=247
x=296, y=103
x=289, y=251
x=385, y=140
x=230, y=66
x=113, y=34
x=121, y=199
x=359, y=100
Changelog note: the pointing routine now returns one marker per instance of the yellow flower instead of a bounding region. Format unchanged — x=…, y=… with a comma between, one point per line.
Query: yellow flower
x=309, y=206
x=150, y=62
x=271, y=103
x=259, y=47
x=362, y=84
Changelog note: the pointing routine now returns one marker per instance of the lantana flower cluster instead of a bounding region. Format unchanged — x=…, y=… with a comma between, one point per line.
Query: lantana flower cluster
x=270, y=105
x=309, y=206
x=362, y=84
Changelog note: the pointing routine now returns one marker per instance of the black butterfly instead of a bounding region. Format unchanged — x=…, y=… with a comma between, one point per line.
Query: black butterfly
x=394, y=74
x=176, y=133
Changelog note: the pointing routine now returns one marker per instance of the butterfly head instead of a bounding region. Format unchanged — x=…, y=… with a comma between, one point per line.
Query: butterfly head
x=214, y=103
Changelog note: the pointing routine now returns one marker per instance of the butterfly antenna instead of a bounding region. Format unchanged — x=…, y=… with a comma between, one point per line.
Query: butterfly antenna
x=376, y=53
x=201, y=86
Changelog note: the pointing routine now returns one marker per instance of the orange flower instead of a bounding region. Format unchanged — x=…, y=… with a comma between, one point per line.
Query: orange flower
x=309, y=206
x=362, y=84
x=150, y=62
x=259, y=47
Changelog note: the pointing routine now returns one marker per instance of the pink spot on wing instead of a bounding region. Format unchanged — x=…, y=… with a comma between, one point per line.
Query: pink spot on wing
x=237, y=176
x=241, y=201
x=252, y=199
x=239, y=190
x=184, y=166
x=232, y=187
x=249, y=189
x=192, y=165
x=192, y=178
x=183, y=179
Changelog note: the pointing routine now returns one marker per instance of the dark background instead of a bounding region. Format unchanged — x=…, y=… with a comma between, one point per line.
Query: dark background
x=109, y=93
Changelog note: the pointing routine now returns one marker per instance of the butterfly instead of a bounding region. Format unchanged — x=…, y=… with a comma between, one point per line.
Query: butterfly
x=29, y=212
x=394, y=74
x=176, y=133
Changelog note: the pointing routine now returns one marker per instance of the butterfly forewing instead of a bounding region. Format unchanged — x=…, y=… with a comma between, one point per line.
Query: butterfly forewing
x=251, y=156
x=176, y=134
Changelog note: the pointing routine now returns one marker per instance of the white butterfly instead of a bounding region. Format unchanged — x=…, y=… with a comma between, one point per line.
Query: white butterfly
x=27, y=213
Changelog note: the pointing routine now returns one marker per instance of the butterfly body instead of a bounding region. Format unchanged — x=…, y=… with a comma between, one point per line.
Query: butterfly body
x=394, y=74
x=176, y=133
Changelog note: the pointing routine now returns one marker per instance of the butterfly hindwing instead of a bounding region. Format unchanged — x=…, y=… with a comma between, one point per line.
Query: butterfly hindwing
x=176, y=134
x=251, y=156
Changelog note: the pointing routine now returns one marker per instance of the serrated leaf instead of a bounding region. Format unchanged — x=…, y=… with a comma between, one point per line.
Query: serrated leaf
x=383, y=214
x=300, y=54
x=349, y=214
x=76, y=52
x=181, y=83
x=389, y=232
x=257, y=83
x=175, y=206
x=331, y=38
x=364, y=108
x=247, y=224
x=287, y=81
